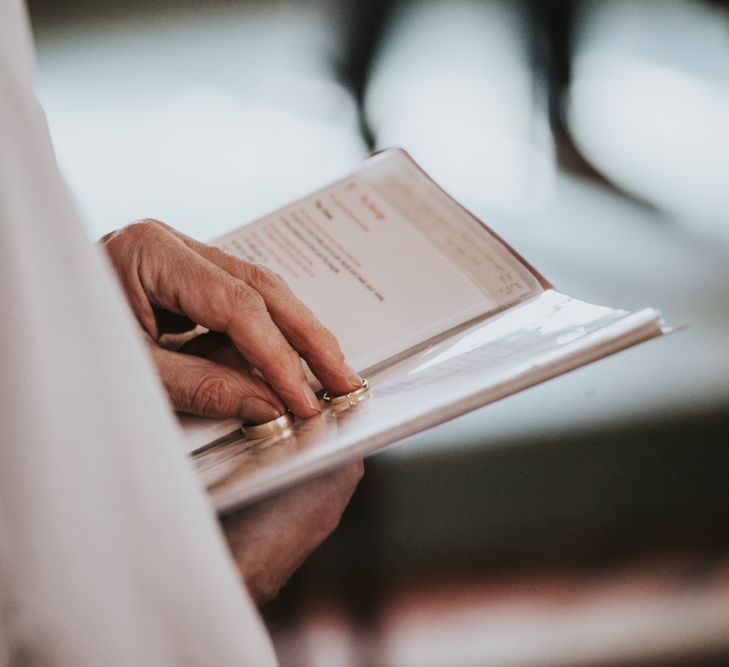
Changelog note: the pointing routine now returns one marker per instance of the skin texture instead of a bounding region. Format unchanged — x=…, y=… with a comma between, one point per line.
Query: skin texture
x=270, y=539
x=248, y=364
x=173, y=283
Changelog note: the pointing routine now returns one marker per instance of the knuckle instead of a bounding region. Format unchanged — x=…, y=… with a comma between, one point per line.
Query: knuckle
x=143, y=229
x=263, y=278
x=212, y=395
x=133, y=235
x=246, y=298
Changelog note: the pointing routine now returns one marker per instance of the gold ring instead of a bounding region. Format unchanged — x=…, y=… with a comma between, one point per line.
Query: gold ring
x=274, y=427
x=352, y=397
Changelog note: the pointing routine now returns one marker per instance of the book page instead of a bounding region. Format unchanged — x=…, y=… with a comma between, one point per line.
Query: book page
x=522, y=346
x=457, y=234
x=382, y=273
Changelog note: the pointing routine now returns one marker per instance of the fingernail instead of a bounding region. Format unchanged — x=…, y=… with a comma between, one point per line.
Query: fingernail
x=257, y=411
x=354, y=379
x=311, y=400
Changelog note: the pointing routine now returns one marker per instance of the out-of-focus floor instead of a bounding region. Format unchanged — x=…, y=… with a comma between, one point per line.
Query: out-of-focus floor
x=579, y=522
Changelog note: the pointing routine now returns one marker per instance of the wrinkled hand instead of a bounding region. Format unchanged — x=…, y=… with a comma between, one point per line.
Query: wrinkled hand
x=271, y=539
x=173, y=283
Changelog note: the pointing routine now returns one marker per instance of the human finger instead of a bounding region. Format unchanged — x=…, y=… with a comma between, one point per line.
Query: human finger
x=303, y=330
x=202, y=387
x=176, y=278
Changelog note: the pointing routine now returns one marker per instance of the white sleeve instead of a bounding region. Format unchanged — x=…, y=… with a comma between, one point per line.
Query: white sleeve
x=109, y=552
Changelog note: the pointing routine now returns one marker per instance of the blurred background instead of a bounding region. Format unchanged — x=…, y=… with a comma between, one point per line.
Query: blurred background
x=582, y=522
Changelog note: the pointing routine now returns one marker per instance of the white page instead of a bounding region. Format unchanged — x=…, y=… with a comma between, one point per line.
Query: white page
x=382, y=280
x=532, y=342
x=457, y=234
x=367, y=273
x=385, y=259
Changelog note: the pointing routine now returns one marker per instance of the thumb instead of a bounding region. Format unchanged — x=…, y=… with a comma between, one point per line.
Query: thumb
x=202, y=387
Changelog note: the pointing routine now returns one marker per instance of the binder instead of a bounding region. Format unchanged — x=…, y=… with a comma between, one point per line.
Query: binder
x=512, y=330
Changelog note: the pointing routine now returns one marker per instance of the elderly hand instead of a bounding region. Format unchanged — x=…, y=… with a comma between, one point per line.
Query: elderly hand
x=270, y=539
x=173, y=282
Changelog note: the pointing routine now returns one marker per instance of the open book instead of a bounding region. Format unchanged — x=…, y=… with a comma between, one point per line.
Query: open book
x=439, y=314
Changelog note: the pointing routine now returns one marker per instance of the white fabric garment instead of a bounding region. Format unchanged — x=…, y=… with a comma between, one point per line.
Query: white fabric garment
x=109, y=553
